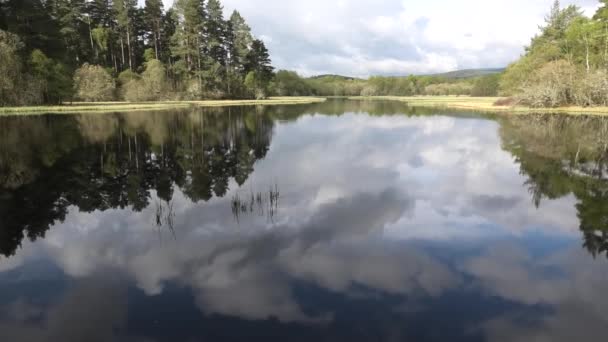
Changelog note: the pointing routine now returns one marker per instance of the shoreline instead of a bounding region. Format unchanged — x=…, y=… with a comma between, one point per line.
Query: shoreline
x=108, y=107
x=483, y=104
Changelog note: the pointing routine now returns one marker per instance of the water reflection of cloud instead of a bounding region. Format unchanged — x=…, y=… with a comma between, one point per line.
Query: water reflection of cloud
x=247, y=274
x=566, y=282
x=70, y=320
x=347, y=186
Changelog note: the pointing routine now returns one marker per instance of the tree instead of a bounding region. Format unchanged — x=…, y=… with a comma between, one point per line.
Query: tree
x=187, y=40
x=10, y=68
x=92, y=83
x=486, y=86
x=154, y=19
x=258, y=68
x=215, y=30
x=240, y=42
x=32, y=22
x=70, y=18
x=124, y=10
x=550, y=45
x=258, y=61
x=289, y=83
x=53, y=78
x=581, y=36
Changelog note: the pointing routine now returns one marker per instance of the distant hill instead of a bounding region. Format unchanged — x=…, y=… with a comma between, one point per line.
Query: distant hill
x=469, y=73
x=333, y=77
x=458, y=74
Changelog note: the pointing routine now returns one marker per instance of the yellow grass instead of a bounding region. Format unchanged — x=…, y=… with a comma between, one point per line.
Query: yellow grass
x=485, y=104
x=100, y=107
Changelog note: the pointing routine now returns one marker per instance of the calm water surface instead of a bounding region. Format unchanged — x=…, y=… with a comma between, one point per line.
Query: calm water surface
x=342, y=221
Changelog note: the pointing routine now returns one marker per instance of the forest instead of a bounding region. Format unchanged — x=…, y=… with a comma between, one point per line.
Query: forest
x=102, y=50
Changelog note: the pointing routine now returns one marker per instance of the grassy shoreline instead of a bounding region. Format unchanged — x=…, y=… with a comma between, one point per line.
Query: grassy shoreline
x=484, y=104
x=104, y=107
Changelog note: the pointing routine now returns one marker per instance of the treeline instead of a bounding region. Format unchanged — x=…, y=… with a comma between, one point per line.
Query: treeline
x=289, y=83
x=100, y=50
x=567, y=63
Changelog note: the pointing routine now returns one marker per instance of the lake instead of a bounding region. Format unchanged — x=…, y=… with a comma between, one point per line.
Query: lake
x=340, y=221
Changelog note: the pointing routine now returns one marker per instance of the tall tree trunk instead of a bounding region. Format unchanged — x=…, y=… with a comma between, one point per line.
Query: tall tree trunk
x=156, y=39
x=91, y=38
x=129, y=47
x=122, y=51
x=587, y=54
x=198, y=56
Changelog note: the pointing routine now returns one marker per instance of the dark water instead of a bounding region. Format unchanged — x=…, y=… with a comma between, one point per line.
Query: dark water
x=343, y=221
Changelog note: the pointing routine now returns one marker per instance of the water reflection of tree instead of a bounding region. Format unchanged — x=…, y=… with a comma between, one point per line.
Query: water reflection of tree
x=563, y=155
x=99, y=162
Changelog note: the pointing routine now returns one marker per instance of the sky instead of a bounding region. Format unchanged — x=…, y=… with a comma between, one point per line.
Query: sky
x=393, y=37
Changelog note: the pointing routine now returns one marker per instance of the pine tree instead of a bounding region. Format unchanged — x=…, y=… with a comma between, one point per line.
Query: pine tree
x=104, y=32
x=124, y=9
x=69, y=14
x=239, y=43
x=187, y=42
x=258, y=61
x=31, y=21
x=154, y=20
x=215, y=30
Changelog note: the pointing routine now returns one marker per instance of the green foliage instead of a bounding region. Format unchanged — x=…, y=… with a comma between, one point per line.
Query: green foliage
x=53, y=78
x=93, y=83
x=254, y=86
x=203, y=55
x=239, y=40
x=289, y=83
x=149, y=54
x=565, y=64
x=486, y=86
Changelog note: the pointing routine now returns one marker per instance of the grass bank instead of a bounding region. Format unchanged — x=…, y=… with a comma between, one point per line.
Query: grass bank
x=484, y=104
x=101, y=107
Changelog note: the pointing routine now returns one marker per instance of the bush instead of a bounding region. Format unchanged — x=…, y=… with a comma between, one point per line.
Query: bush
x=551, y=86
x=127, y=76
x=92, y=83
x=151, y=86
x=592, y=89
x=506, y=101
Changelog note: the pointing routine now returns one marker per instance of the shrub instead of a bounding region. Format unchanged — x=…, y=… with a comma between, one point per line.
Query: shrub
x=506, y=101
x=551, y=86
x=151, y=86
x=126, y=77
x=592, y=89
x=93, y=83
